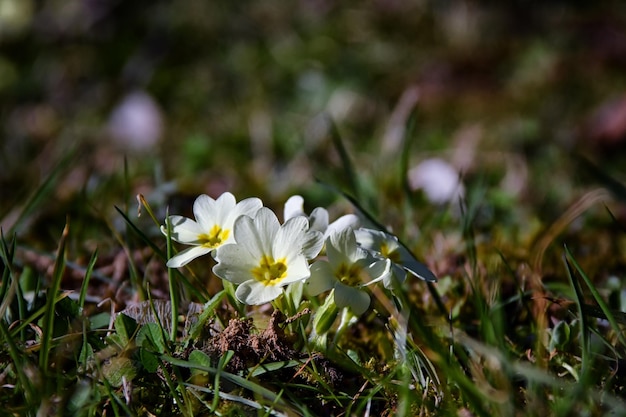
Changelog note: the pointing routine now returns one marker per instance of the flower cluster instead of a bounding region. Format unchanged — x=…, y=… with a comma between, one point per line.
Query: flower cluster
x=254, y=251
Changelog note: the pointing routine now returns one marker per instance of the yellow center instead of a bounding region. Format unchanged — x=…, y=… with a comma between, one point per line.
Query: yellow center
x=393, y=255
x=349, y=275
x=214, y=238
x=270, y=272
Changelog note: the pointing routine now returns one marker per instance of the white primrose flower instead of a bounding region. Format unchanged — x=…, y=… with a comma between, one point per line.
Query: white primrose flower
x=267, y=255
x=318, y=218
x=386, y=246
x=212, y=228
x=347, y=271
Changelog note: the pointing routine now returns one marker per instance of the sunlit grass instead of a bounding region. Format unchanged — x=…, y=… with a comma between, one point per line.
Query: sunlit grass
x=473, y=343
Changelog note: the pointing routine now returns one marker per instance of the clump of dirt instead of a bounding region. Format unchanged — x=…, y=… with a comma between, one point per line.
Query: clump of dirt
x=249, y=346
x=270, y=345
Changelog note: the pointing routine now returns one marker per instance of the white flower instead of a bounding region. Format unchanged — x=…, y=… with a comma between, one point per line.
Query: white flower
x=439, y=180
x=212, y=228
x=266, y=257
x=318, y=219
x=349, y=268
x=136, y=124
x=386, y=246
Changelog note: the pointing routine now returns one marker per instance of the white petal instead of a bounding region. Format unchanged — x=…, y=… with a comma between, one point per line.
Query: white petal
x=322, y=278
x=246, y=207
x=297, y=270
x=204, y=211
x=335, y=255
x=294, y=206
x=254, y=293
x=394, y=280
x=186, y=256
x=184, y=230
x=393, y=244
x=267, y=224
x=312, y=246
x=341, y=247
x=223, y=207
x=379, y=270
x=357, y=300
x=419, y=270
x=247, y=234
x=369, y=239
x=319, y=219
x=349, y=220
x=234, y=263
x=290, y=238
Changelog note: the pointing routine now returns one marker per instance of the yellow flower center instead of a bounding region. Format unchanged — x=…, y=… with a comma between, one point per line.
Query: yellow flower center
x=270, y=272
x=349, y=275
x=393, y=255
x=214, y=238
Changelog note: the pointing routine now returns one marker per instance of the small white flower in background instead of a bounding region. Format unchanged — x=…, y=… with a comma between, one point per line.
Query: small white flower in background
x=212, y=228
x=136, y=123
x=349, y=268
x=386, y=246
x=318, y=219
x=267, y=255
x=438, y=179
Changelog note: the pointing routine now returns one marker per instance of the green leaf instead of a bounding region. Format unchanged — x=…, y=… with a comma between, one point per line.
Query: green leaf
x=125, y=328
x=149, y=360
x=326, y=315
x=86, y=354
x=99, y=321
x=151, y=336
x=117, y=369
x=199, y=358
x=560, y=335
x=207, y=314
x=274, y=366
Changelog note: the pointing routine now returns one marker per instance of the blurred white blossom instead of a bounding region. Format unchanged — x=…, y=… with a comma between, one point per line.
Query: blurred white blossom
x=439, y=180
x=136, y=124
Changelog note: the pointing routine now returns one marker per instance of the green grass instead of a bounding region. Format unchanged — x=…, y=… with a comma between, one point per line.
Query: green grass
x=430, y=349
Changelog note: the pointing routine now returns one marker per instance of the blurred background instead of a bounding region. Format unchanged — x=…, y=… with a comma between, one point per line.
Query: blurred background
x=104, y=99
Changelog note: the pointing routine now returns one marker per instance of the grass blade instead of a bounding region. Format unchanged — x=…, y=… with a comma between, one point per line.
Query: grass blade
x=235, y=379
x=597, y=297
x=85, y=284
x=48, y=319
x=171, y=279
x=9, y=282
x=584, y=320
x=233, y=398
x=35, y=316
x=18, y=358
